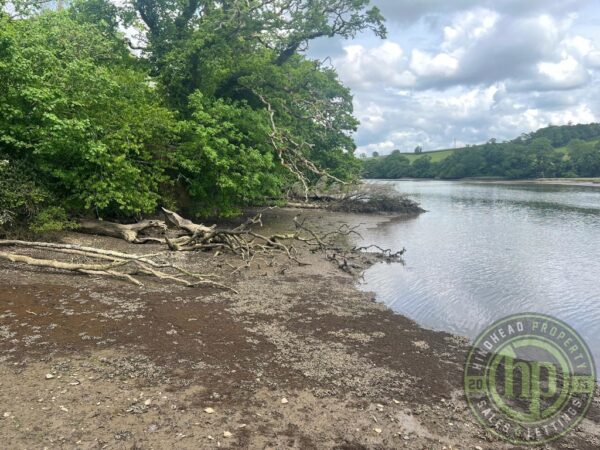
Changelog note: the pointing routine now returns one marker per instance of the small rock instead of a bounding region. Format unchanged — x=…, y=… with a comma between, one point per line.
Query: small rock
x=6, y=415
x=209, y=410
x=242, y=425
x=148, y=402
x=284, y=401
x=478, y=447
x=49, y=376
x=396, y=401
x=62, y=408
x=379, y=407
x=227, y=434
x=377, y=430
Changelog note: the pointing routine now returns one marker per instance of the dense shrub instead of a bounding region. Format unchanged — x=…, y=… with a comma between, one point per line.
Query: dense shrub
x=83, y=119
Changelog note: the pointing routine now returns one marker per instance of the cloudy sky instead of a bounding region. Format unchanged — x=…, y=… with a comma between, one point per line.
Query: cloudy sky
x=470, y=70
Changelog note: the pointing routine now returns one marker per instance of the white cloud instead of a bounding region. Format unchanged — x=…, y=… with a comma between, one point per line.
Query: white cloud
x=469, y=70
x=424, y=65
x=380, y=65
x=382, y=148
x=568, y=73
x=469, y=26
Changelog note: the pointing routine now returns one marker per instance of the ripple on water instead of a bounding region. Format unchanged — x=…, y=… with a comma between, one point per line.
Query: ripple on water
x=484, y=251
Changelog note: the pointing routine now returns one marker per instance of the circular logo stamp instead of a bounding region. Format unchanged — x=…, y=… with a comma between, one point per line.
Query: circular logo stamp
x=529, y=378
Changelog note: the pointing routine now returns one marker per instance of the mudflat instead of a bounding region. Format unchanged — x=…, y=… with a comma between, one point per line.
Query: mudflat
x=297, y=358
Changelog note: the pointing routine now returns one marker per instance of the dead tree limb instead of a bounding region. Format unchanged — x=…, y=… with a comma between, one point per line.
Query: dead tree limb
x=128, y=232
x=115, y=268
x=292, y=153
x=61, y=265
x=383, y=251
x=177, y=221
x=86, y=251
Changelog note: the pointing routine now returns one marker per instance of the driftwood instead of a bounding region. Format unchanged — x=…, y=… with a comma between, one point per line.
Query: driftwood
x=360, y=199
x=130, y=233
x=305, y=205
x=121, y=265
x=243, y=241
x=177, y=221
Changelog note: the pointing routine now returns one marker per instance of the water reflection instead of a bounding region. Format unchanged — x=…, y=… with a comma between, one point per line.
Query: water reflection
x=484, y=251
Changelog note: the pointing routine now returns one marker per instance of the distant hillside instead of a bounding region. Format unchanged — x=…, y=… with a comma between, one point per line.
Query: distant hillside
x=559, y=136
x=436, y=155
x=554, y=151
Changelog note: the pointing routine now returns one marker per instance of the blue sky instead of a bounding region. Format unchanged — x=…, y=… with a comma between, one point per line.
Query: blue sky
x=470, y=70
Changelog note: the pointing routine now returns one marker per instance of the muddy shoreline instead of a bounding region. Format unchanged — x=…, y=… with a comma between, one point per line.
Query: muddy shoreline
x=300, y=358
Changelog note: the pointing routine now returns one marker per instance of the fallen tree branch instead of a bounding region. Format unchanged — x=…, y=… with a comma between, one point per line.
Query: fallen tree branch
x=128, y=232
x=243, y=241
x=383, y=251
x=177, y=221
x=140, y=264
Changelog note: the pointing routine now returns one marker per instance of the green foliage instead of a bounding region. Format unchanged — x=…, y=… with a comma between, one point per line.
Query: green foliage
x=21, y=197
x=397, y=166
x=52, y=218
x=78, y=113
x=522, y=158
x=313, y=112
x=562, y=135
x=585, y=158
x=246, y=51
x=215, y=104
x=220, y=163
x=422, y=168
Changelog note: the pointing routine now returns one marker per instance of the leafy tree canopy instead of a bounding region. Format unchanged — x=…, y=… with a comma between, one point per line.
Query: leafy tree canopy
x=116, y=108
x=89, y=125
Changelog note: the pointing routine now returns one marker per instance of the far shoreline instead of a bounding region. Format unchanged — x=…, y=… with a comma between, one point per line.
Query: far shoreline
x=586, y=182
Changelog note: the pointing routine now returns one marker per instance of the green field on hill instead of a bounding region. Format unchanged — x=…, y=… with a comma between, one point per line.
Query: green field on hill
x=436, y=155
x=552, y=152
x=440, y=155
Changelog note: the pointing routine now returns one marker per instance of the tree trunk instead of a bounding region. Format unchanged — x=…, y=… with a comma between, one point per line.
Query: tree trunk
x=128, y=232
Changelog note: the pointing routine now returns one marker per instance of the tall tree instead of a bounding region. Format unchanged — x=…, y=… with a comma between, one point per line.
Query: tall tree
x=248, y=51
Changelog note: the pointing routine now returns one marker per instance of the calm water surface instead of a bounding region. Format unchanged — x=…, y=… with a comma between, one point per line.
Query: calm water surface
x=485, y=251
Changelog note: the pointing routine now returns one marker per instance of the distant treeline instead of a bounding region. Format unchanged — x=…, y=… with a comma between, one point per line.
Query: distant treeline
x=567, y=151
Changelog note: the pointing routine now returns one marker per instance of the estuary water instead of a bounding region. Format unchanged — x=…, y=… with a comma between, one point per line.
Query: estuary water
x=484, y=251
